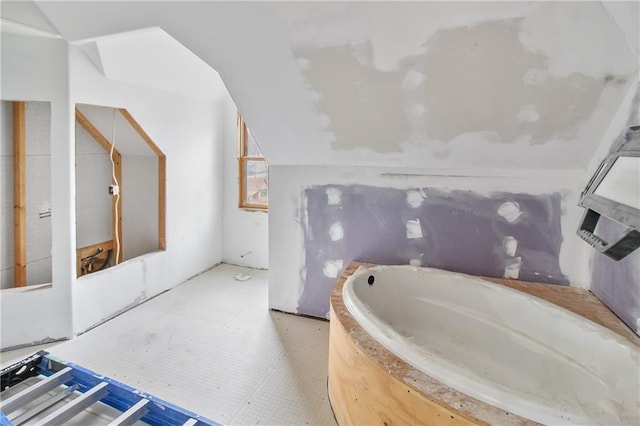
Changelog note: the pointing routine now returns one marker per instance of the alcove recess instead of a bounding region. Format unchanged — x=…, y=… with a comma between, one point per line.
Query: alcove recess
x=25, y=191
x=120, y=189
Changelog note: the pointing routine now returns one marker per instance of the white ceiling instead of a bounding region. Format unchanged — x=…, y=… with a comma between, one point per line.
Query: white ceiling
x=438, y=85
x=153, y=58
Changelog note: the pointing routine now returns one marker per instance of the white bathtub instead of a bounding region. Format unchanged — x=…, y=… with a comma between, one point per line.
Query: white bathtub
x=498, y=345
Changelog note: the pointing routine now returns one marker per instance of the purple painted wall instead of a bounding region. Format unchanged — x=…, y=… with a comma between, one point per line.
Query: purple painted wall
x=458, y=230
x=617, y=284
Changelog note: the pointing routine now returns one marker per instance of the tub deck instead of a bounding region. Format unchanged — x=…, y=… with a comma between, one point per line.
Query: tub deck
x=358, y=366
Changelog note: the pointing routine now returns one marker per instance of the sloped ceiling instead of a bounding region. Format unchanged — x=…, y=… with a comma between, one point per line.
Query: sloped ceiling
x=153, y=58
x=446, y=85
x=24, y=17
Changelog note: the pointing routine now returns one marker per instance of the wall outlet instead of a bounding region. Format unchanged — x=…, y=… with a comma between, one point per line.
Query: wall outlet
x=114, y=190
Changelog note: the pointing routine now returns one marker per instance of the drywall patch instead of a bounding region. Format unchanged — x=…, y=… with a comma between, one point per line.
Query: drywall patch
x=332, y=268
x=414, y=230
x=528, y=114
x=333, y=196
x=535, y=76
x=365, y=105
x=510, y=210
x=458, y=231
x=510, y=245
x=415, y=197
x=336, y=233
x=467, y=80
x=412, y=80
x=477, y=76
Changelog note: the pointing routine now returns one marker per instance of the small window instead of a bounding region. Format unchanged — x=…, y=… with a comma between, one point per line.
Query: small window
x=253, y=171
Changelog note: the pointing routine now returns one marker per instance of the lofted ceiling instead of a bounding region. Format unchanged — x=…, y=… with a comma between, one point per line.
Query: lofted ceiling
x=437, y=85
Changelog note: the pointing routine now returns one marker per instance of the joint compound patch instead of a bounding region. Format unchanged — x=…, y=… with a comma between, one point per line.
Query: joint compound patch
x=336, y=232
x=412, y=80
x=512, y=268
x=535, y=76
x=414, y=230
x=510, y=245
x=334, y=196
x=416, y=197
x=528, y=114
x=332, y=268
x=510, y=210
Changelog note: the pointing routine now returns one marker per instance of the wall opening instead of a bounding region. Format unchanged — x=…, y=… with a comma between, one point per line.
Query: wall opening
x=120, y=189
x=25, y=191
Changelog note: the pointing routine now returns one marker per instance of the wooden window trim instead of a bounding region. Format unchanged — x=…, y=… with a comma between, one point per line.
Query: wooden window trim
x=243, y=148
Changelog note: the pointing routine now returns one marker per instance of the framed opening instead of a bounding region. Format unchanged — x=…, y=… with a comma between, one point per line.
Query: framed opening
x=25, y=190
x=120, y=189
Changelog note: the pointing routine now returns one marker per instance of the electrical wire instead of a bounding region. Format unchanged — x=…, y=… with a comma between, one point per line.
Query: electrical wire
x=115, y=180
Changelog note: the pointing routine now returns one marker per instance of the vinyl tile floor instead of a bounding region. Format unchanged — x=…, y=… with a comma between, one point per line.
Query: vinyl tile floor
x=212, y=346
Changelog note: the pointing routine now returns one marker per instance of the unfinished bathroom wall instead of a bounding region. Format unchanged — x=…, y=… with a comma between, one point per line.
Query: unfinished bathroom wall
x=487, y=97
x=36, y=69
x=139, y=205
x=183, y=128
x=520, y=227
x=93, y=203
x=245, y=233
x=617, y=284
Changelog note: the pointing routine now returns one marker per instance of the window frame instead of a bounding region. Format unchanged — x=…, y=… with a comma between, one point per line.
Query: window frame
x=243, y=159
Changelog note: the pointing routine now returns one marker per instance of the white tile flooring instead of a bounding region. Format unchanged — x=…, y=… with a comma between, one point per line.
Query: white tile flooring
x=212, y=346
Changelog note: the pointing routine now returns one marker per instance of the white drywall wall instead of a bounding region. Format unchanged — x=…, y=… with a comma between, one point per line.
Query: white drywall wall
x=287, y=213
x=184, y=130
x=37, y=69
x=93, y=202
x=139, y=205
x=245, y=232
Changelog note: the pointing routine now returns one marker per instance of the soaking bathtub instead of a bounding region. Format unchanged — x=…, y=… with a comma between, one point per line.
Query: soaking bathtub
x=487, y=353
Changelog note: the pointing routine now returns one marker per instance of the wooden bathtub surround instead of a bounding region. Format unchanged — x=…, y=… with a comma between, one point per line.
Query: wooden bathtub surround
x=369, y=385
x=577, y=300
x=363, y=392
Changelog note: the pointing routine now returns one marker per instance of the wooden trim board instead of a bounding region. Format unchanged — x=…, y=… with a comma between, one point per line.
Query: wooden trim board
x=162, y=203
x=19, y=195
x=363, y=393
